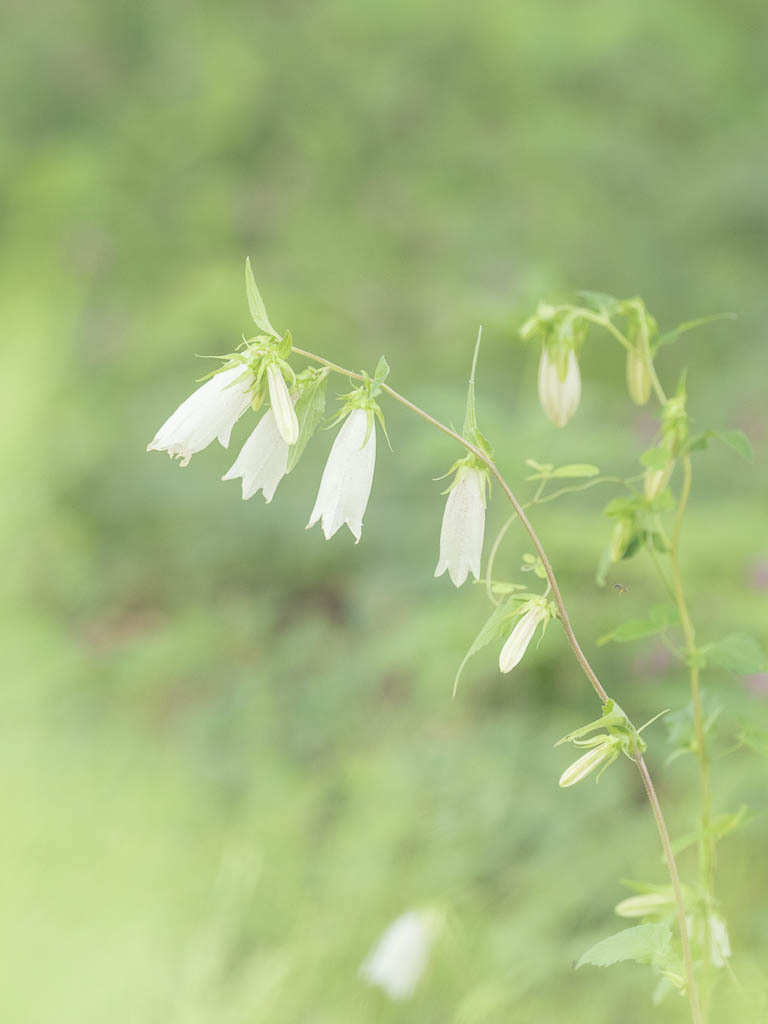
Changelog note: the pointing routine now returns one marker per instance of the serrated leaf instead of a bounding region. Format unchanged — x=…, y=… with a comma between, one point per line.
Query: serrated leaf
x=309, y=412
x=490, y=631
x=737, y=652
x=737, y=440
x=660, y=618
x=256, y=303
x=575, y=470
x=645, y=944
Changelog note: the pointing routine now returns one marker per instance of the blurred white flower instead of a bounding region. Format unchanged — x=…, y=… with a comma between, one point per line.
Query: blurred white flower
x=282, y=406
x=262, y=461
x=347, y=478
x=719, y=943
x=559, y=397
x=400, y=957
x=208, y=413
x=461, y=536
x=518, y=640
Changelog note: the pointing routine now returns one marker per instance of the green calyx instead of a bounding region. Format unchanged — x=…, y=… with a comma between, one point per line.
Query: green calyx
x=617, y=733
x=364, y=397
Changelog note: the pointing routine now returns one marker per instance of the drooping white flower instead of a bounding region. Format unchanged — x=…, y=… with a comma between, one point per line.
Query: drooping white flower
x=262, y=461
x=347, y=478
x=208, y=413
x=461, y=536
x=719, y=942
x=282, y=406
x=518, y=640
x=400, y=957
x=559, y=397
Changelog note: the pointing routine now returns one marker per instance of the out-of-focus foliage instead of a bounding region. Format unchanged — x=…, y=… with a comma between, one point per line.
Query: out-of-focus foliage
x=229, y=751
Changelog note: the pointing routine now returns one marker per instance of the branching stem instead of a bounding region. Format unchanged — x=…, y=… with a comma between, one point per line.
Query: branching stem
x=597, y=686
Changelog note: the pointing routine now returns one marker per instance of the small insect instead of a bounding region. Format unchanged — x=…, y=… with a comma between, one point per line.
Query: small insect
x=620, y=587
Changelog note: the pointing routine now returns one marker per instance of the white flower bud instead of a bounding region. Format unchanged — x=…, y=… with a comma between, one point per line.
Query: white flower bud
x=559, y=397
x=518, y=640
x=347, y=478
x=400, y=957
x=603, y=754
x=461, y=536
x=208, y=413
x=282, y=406
x=646, y=904
x=638, y=378
x=262, y=461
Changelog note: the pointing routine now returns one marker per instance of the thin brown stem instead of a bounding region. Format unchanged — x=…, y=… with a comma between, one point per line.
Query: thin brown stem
x=597, y=686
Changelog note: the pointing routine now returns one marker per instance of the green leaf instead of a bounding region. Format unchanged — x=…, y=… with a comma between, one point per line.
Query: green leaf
x=600, y=302
x=722, y=825
x=256, y=303
x=309, y=412
x=492, y=630
x=382, y=370
x=575, y=470
x=645, y=944
x=655, y=458
x=690, y=325
x=737, y=652
x=660, y=618
x=737, y=440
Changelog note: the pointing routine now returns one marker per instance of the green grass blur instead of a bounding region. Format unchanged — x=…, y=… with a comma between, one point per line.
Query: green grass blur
x=229, y=753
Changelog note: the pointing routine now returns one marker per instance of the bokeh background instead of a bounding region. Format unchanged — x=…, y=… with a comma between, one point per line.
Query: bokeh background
x=229, y=752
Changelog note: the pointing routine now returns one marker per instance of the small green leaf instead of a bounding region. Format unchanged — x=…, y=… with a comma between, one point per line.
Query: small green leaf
x=660, y=618
x=492, y=630
x=737, y=652
x=690, y=325
x=309, y=412
x=655, y=458
x=737, y=440
x=645, y=944
x=575, y=470
x=382, y=370
x=256, y=303
x=600, y=302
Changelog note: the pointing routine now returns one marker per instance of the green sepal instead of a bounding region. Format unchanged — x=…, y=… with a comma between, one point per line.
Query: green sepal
x=256, y=303
x=309, y=410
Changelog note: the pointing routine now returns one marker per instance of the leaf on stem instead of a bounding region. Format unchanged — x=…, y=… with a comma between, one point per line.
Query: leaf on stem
x=645, y=944
x=661, y=618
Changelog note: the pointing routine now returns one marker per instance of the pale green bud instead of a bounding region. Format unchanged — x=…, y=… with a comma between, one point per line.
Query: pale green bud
x=620, y=538
x=646, y=904
x=638, y=378
x=656, y=480
x=517, y=642
x=604, y=754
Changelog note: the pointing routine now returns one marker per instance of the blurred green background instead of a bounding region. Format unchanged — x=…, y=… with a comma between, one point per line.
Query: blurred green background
x=229, y=752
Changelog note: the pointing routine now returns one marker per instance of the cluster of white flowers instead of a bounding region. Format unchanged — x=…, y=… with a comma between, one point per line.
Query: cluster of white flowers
x=212, y=411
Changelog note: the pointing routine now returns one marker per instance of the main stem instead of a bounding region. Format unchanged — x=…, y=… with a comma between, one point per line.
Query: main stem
x=597, y=686
x=706, y=843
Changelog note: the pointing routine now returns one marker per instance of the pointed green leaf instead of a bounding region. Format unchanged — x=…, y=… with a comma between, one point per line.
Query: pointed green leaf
x=309, y=412
x=690, y=325
x=645, y=944
x=737, y=440
x=600, y=302
x=660, y=618
x=575, y=470
x=256, y=303
x=492, y=630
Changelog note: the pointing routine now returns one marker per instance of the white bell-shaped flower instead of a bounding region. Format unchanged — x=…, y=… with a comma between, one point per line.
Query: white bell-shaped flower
x=347, y=478
x=518, y=640
x=282, y=406
x=400, y=957
x=559, y=397
x=262, y=461
x=461, y=536
x=208, y=413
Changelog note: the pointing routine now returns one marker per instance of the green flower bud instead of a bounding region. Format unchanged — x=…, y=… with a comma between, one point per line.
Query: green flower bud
x=604, y=754
x=656, y=481
x=638, y=378
x=620, y=538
